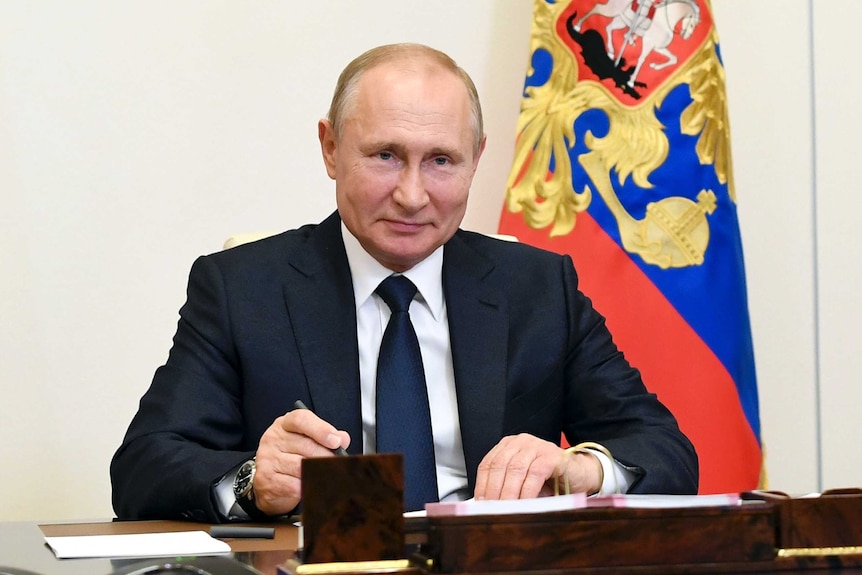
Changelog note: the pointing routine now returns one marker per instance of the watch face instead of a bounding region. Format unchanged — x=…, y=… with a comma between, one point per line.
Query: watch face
x=244, y=478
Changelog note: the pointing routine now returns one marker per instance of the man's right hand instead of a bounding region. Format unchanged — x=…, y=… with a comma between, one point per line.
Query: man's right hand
x=293, y=436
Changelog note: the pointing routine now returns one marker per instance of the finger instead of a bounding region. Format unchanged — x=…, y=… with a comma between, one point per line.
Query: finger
x=535, y=480
x=481, y=481
x=277, y=481
x=516, y=472
x=306, y=423
x=481, y=490
x=278, y=442
x=494, y=468
x=345, y=439
x=518, y=467
x=275, y=462
x=547, y=466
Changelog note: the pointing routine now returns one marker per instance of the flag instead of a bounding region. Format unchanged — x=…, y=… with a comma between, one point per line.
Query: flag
x=623, y=162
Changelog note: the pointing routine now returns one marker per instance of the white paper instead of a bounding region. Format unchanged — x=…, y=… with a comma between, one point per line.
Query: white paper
x=507, y=506
x=659, y=501
x=174, y=544
x=577, y=501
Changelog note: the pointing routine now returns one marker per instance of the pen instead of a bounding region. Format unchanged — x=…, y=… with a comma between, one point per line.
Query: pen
x=240, y=532
x=337, y=451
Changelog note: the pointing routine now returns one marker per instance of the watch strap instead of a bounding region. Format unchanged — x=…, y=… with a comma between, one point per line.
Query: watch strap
x=246, y=502
x=248, y=505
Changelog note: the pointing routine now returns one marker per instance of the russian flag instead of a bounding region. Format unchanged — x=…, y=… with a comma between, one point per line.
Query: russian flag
x=623, y=162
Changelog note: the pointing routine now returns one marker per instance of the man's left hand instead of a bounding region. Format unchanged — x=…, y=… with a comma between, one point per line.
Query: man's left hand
x=524, y=466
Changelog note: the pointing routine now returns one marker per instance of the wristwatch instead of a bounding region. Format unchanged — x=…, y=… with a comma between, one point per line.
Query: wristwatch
x=243, y=490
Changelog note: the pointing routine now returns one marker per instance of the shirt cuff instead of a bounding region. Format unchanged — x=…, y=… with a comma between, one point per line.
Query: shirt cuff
x=617, y=477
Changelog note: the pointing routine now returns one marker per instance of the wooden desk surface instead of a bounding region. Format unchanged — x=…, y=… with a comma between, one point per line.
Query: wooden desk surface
x=262, y=554
x=22, y=547
x=286, y=534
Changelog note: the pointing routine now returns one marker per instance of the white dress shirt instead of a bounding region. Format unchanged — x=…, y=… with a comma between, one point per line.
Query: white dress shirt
x=431, y=323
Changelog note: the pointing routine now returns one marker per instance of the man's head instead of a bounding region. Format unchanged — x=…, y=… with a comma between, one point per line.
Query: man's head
x=402, y=142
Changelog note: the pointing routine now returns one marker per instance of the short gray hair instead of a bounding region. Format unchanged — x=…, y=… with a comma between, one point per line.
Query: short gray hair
x=346, y=88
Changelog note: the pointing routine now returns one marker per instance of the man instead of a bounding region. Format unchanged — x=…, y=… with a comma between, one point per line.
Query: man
x=512, y=353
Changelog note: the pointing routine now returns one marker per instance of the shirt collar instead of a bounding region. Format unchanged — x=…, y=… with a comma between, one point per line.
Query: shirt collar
x=367, y=273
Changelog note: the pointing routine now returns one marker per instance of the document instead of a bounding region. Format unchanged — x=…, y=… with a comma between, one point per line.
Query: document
x=576, y=501
x=664, y=501
x=507, y=506
x=137, y=545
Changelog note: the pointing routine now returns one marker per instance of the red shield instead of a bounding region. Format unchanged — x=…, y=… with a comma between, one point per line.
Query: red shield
x=632, y=48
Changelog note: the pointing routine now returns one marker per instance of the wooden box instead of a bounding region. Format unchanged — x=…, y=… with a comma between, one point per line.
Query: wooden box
x=352, y=508
x=612, y=538
x=832, y=520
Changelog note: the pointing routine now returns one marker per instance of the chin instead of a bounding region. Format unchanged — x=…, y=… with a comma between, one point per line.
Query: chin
x=401, y=260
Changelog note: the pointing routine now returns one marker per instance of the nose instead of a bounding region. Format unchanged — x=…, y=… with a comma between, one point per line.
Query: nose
x=411, y=193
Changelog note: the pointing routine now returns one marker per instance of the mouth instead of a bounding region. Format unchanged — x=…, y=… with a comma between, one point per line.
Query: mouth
x=404, y=227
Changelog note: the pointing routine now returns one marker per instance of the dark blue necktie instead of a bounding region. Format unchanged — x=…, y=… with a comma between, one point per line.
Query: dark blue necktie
x=403, y=416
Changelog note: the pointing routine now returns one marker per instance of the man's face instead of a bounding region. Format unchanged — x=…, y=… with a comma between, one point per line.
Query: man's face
x=404, y=162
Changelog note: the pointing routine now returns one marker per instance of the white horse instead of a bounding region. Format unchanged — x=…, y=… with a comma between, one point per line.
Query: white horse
x=656, y=32
x=610, y=9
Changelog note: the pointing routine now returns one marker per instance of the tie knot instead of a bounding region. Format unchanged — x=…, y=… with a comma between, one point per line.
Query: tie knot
x=397, y=292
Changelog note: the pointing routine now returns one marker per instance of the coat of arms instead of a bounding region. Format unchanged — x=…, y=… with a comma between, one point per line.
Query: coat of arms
x=608, y=82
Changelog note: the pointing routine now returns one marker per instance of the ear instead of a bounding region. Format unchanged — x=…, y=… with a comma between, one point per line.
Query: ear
x=479, y=153
x=328, y=145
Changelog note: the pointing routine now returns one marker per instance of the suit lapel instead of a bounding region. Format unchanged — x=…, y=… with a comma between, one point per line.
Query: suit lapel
x=319, y=297
x=478, y=327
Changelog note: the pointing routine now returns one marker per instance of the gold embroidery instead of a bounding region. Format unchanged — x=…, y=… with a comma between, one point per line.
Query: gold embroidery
x=674, y=231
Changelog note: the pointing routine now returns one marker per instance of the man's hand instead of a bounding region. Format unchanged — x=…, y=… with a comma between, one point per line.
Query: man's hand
x=291, y=437
x=524, y=466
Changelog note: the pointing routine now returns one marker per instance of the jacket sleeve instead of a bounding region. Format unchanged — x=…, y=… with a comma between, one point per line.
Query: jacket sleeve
x=188, y=430
x=607, y=402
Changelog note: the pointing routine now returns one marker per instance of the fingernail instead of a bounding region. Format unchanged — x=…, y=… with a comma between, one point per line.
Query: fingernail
x=333, y=441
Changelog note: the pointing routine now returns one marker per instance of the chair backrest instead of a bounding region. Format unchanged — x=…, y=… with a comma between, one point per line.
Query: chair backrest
x=244, y=238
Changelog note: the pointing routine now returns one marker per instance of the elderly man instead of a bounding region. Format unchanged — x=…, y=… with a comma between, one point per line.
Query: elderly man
x=492, y=354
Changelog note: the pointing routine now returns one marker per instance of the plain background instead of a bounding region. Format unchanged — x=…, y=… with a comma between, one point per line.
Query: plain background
x=137, y=135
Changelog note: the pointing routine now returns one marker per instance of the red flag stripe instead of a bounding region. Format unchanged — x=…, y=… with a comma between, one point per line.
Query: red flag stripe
x=675, y=363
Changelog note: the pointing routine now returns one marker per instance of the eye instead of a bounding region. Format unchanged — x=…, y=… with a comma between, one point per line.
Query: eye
x=441, y=160
x=384, y=155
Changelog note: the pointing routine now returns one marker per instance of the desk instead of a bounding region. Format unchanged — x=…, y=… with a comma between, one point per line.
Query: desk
x=22, y=546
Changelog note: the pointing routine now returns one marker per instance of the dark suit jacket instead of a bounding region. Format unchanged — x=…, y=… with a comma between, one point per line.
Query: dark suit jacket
x=274, y=321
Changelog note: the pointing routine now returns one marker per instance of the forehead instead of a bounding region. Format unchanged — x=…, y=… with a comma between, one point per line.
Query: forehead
x=411, y=93
x=407, y=71
x=412, y=87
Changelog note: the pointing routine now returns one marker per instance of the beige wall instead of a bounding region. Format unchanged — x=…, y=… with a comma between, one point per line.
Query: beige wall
x=767, y=54
x=837, y=125
x=135, y=136
x=795, y=117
